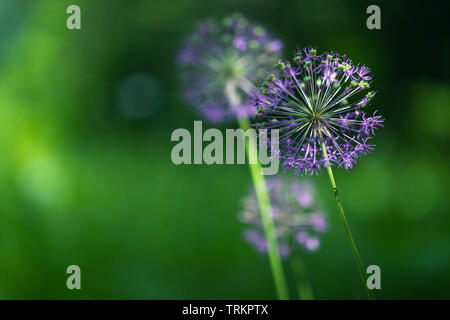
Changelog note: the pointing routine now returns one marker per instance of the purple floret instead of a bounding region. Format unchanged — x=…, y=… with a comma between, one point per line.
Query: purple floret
x=294, y=209
x=222, y=52
x=318, y=99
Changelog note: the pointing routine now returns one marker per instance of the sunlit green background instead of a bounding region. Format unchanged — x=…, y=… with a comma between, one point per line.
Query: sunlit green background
x=83, y=181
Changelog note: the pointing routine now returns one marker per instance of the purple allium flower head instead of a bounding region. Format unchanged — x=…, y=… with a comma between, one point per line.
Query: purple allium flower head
x=298, y=222
x=318, y=98
x=223, y=52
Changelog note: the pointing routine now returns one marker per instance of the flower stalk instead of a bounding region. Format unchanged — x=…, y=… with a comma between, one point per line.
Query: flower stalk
x=303, y=284
x=263, y=200
x=348, y=233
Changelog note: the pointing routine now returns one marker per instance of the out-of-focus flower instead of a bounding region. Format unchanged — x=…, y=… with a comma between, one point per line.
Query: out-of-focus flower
x=218, y=53
x=317, y=103
x=298, y=220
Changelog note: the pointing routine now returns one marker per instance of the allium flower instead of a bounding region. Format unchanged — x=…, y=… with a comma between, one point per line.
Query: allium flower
x=318, y=98
x=298, y=221
x=231, y=51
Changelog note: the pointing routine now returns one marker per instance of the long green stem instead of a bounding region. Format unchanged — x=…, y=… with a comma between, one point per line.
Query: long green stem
x=263, y=201
x=303, y=285
x=345, y=223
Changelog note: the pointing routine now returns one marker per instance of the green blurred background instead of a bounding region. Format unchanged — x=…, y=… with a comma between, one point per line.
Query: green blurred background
x=86, y=176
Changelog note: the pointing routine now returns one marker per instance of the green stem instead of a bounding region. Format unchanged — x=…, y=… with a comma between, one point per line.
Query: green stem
x=263, y=202
x=303, y=285
x=345, y=223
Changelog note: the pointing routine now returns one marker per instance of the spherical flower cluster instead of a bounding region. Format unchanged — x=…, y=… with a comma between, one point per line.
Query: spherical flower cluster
x=294, y=210
x=220, y=53
x=318, y=103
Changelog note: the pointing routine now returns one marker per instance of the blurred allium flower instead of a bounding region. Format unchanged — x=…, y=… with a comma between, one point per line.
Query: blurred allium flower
x=318, y=98
x=298, y=221
x=223, y=52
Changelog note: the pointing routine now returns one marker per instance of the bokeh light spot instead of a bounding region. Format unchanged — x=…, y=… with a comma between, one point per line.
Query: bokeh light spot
x=139, y=96
x=44, y=181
